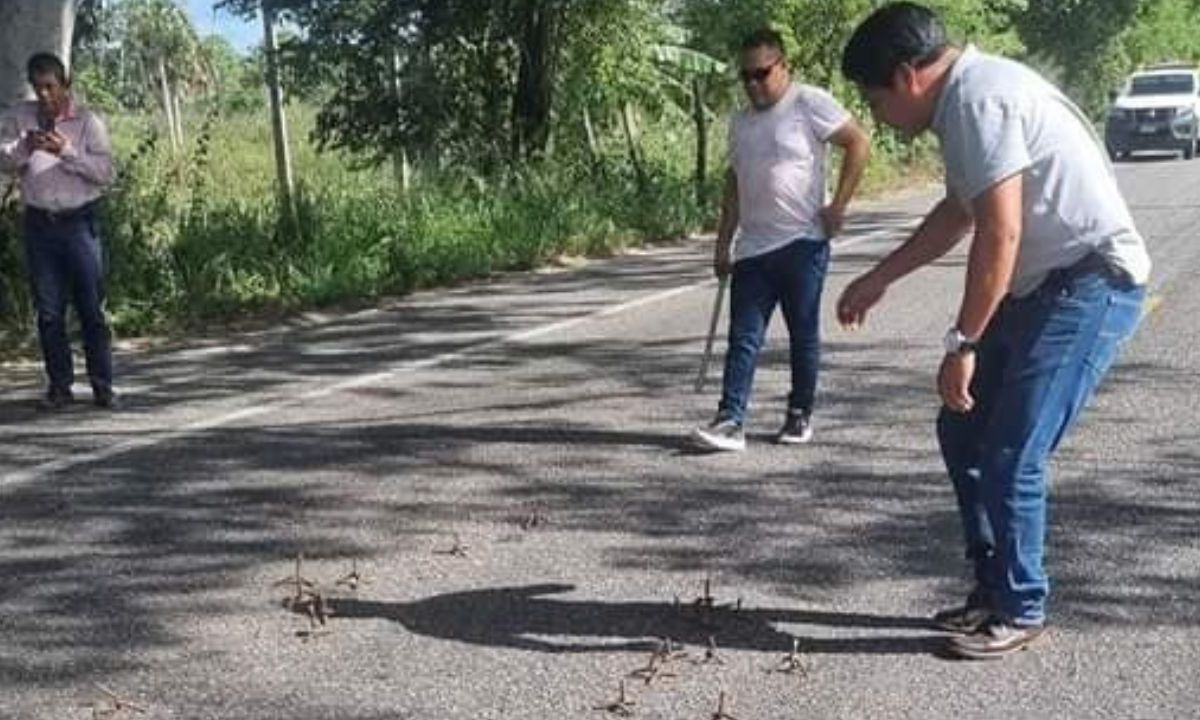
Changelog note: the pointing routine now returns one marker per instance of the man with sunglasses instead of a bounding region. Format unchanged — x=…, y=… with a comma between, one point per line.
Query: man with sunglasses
x=1055, y=282
x=775, y=206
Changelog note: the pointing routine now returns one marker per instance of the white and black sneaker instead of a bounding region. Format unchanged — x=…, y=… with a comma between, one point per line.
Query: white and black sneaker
x=720, y=434
x=796, y=430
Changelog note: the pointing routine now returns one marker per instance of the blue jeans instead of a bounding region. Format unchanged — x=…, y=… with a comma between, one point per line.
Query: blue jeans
x=791, y=277
x=1038, y=364
x=66, y=263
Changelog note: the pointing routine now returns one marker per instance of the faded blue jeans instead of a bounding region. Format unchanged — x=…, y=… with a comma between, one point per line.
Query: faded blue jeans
x=792, y=277
x=66, y=264
x=1039, y=363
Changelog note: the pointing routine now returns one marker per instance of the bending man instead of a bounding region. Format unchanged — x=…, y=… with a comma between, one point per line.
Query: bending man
x=1055, y=282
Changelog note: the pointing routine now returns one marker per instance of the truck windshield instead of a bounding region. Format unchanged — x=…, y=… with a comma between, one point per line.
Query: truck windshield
x=1162, y=85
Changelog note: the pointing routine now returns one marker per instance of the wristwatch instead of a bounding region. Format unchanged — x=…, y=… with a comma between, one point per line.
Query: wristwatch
x=955, y=342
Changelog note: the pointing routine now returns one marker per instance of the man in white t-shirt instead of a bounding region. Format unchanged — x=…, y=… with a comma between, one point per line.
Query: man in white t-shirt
x=774, y=231
x=1055, y=284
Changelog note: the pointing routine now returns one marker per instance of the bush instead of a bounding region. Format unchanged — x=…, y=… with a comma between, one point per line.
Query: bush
x=194, y=237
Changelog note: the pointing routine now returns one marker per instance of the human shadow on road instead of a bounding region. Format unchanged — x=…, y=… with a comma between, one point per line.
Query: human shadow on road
x=525, y=618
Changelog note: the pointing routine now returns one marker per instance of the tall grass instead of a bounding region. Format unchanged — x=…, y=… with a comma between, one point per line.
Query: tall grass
x=194, y=238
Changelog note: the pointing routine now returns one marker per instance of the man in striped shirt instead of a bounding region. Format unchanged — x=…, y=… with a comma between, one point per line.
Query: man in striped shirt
x=61, y=155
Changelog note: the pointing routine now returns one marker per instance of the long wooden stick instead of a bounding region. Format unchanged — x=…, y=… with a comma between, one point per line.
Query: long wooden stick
x=702, y=377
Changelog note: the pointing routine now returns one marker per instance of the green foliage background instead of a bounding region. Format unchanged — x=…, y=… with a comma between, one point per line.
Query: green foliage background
x=444, y=90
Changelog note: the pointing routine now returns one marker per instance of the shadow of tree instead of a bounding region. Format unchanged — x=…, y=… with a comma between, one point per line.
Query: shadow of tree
x=104, y=561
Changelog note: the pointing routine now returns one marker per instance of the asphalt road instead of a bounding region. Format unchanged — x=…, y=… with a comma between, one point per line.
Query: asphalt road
x=538, y=421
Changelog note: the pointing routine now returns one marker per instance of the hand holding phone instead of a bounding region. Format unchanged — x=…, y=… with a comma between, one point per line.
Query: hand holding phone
x=35, y=139
x=50, y=142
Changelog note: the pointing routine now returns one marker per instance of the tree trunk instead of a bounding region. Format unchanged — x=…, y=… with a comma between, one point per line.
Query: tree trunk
x=701, y=140
x=400, y=167
x=592, y=142
x=168, y=105
x=28, y=27
x=629, y=125
x=283, y=156
x=535, y=80
x=178, y=114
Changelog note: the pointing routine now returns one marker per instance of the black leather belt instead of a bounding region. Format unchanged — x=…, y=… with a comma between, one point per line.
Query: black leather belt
x=1096, y=264
x=84, y=212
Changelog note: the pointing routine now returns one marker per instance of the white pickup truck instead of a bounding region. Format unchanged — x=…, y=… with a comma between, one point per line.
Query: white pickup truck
x=1158, y=110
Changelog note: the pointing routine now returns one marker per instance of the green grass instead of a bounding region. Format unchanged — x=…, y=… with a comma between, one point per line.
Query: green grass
x=194, y=237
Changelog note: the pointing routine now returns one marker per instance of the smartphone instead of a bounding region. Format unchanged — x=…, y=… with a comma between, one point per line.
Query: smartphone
x=45, y=123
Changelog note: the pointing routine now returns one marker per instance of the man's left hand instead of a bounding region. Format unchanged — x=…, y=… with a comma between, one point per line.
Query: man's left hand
x=954, y=381
x=832, y=219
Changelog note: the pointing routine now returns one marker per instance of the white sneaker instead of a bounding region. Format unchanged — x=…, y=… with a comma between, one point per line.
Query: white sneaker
x=720, y=434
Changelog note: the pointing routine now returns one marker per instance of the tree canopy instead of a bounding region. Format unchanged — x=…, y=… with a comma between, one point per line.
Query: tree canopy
x=490, y=83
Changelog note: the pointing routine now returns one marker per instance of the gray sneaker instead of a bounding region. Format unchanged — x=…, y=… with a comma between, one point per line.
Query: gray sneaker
x=720, y=434
x=796, y=430
x=995, y=639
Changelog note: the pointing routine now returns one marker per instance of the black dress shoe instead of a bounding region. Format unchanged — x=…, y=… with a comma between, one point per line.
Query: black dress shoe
x=106, y=399
x=56, y=400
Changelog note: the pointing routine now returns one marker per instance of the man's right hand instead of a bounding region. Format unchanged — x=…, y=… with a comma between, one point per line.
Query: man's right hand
x=859, y=297
x=722, y=260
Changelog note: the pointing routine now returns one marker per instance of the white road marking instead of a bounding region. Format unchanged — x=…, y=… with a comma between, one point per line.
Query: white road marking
x=36, y=472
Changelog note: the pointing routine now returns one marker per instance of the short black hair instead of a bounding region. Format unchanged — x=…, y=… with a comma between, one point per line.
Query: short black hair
x=895, y=34
x=44, y=63
x=763, y=38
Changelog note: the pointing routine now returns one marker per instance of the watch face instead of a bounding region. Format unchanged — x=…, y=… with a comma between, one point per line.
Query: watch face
x=956, y=342
x=953, y=340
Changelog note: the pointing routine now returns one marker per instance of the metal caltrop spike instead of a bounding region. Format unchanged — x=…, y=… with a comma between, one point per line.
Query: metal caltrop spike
x=533, y=519
x=793, y=663
x=115, y=704
x=707, y=599
x=710, y=653
x=621, y=707
x=458, y=549
x=300, y=584
x=654, y=668
x=353, y=579
x=668, y=650
x=721, y=713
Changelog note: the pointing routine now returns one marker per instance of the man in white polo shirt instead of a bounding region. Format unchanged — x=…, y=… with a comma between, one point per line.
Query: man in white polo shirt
x=1055, y=283
x=774, y=231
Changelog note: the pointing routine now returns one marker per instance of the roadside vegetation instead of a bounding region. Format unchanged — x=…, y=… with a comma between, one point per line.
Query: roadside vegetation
x=434, y=147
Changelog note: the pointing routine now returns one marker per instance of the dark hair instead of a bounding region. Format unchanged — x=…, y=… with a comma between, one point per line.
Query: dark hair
x=45, y=63
x=896, y=34
x=763, y=38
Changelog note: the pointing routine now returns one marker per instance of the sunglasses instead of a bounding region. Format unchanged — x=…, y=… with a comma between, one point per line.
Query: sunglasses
x=758, y=74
